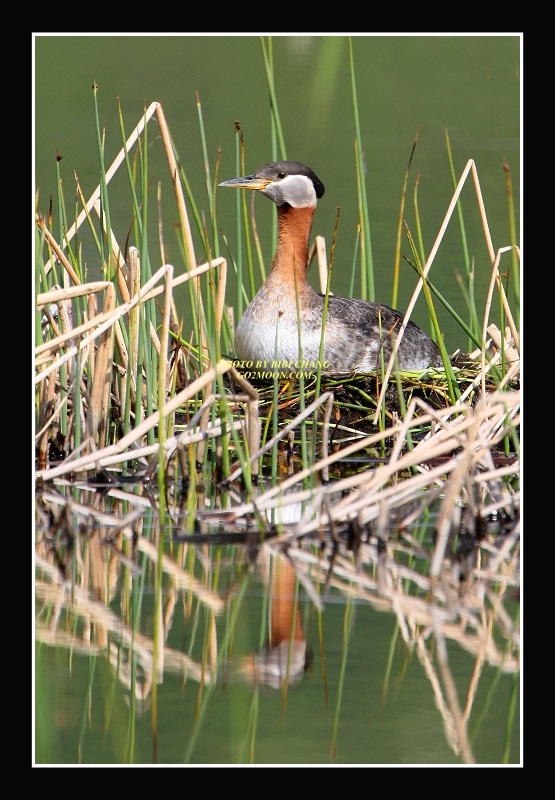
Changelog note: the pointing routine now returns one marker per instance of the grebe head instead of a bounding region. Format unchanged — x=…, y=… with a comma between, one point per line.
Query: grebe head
x=283, y=182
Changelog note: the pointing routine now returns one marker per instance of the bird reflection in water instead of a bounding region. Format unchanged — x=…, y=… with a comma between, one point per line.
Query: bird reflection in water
x=286, y=656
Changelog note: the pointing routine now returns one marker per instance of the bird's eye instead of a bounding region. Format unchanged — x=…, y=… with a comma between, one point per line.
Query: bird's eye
x=281, y=174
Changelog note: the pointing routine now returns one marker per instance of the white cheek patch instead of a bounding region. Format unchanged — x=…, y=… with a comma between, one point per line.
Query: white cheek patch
x=305, y=197
x=275, y=192
x=297, y=190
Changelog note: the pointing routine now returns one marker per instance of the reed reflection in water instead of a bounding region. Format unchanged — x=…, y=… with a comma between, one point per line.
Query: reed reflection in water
x=107, y=590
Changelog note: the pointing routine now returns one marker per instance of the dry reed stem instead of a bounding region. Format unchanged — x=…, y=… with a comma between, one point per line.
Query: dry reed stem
x=449, y=724
x=253, y=421
x=183, y=218
x=462, y=743
x=134, y=287
x=56, y=295
x=95, y=197
x=100, y=324
x=282, y=433
x=60, y=255
x=172, y=444
x=94, y=202
x=101, y=376
x=163, y=358
x=479, y=380
x=89, y=461
x=52, y=345
x=79, y=605
x=363, y=492
x=447, y=438
x=182, y=579
x=463, y=622
x=470, y=167
x=322, y=261
x=496, y=281
x=108, y=319
x=119, y=259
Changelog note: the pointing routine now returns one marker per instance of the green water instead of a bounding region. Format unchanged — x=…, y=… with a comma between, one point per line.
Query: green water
x=84, y=716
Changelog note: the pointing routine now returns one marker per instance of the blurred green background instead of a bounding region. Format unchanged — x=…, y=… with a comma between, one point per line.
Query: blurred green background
x=407, y=85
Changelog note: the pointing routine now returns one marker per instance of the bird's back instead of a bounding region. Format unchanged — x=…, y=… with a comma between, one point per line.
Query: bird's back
x=368, y=330
x=359, y=334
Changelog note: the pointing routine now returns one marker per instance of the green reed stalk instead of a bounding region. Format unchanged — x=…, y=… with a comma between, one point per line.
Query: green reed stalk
x=322, y=337
x=420, y=260
x=227, y=417
x=400, y=225
x=367, y=272
x=515, y=262
x=474, y=337
x=302, y=405
x=381, y=374
x=212, y=251
x=210, y=191
x=238, y=262
x=267, y=57
x=194, y=286
x=137, y=595
x=108, y=259
x=165, y=424
x=277, y=140
x=72, y=250
x=354, y=263
x=79, y=304
x=248, y=740
x=389, y=665
x=40, y=279
x=243, y=213
x=471, y=300
x=466, y=257
x=468, y=289
x=150, y=356
x=275, y=420
x=63, y=227
x=454, y=390
x=207, y=689
x=254, y=714
x=511, y=716
x=77, y=424
x=86, y=709
x=158, y=624
x=348, y=621
x=129, y=169
x=82, y=206
x=106, y=245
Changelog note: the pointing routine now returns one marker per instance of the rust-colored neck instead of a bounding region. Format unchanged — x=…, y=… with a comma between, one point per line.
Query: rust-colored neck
x=291, y=258
x=286, y=618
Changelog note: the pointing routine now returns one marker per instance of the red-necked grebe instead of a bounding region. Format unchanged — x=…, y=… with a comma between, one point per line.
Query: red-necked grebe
x=358, y=333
